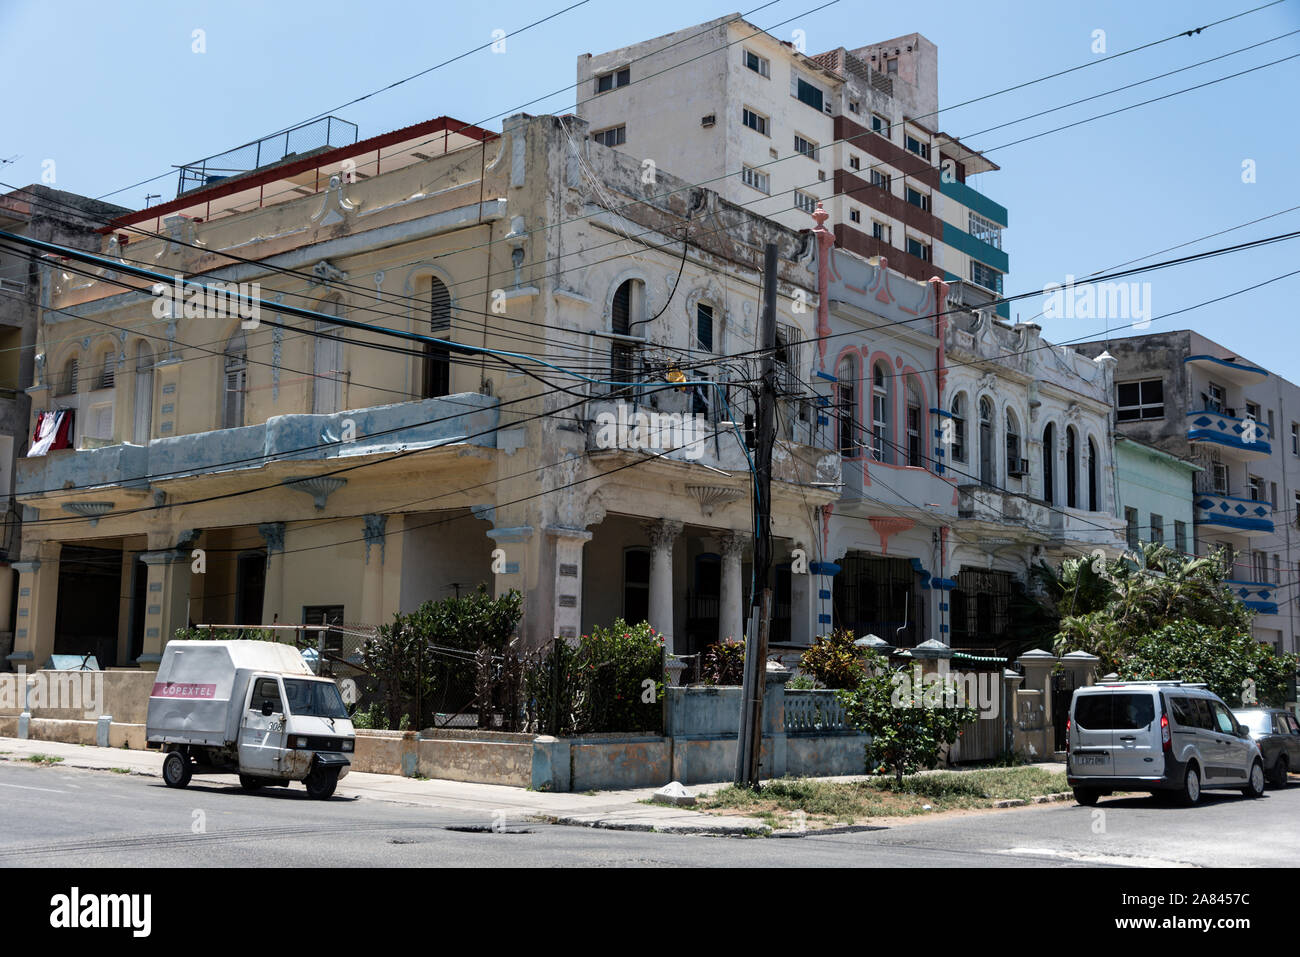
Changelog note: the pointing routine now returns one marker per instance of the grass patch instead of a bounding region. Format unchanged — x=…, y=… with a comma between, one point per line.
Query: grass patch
x=788, y=802
x=43, y=759
x=120, y=770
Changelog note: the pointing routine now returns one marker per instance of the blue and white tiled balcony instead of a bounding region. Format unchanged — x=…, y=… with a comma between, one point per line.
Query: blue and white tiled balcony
x=1241, y=438
x=1259, y=596
x=1241, y=516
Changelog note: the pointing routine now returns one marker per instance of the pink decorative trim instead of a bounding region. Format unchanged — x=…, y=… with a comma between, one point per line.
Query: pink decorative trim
x=825, y=240
x=887, y=525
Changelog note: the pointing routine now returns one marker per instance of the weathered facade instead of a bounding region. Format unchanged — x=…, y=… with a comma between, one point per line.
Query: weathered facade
x=1240, y=423
x=251, y=473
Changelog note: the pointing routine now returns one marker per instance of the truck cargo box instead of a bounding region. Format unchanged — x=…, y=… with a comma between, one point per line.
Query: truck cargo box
x=198, y=696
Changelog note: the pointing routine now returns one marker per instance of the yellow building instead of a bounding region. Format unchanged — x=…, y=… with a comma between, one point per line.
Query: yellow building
x=280, y=467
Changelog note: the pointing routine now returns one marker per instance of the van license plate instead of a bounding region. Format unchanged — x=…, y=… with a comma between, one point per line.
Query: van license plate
x=1090, y=760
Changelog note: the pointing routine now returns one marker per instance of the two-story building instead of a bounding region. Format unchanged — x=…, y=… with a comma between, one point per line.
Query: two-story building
x=567, y=420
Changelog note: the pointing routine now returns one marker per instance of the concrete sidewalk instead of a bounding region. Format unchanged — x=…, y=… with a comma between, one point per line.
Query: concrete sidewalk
x=619, y=810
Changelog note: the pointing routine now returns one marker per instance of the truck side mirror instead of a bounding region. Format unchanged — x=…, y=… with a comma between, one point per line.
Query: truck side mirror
x=267, y=709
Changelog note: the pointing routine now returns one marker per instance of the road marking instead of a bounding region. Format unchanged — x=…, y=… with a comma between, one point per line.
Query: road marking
x=24, y=787
x=1111, y=859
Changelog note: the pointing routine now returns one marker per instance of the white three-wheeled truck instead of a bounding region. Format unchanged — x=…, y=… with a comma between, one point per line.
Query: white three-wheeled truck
x=253, y=708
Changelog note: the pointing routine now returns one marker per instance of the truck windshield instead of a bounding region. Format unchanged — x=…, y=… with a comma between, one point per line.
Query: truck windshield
x=314, y=699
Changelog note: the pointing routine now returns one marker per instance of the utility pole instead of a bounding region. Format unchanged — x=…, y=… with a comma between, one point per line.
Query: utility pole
x=750, y=738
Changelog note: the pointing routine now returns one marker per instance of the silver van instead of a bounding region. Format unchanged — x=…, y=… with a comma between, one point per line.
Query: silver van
x=1157, y=736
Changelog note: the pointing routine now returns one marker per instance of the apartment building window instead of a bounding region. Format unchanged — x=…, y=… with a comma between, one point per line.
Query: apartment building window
x=855, y=215
x=1256, y=488
x=846, y=402
x=1220, y=477
x=957, y=409
x=891, y=66
x=107, y=368
x=806, y=93
x=882, y=231
x=1277, y=569
x=882, y=180
x=805, y=146
x=1180, y=536
x=613, y=80
x=437, y=359
x=918, y=199
x=1144, y=399
x=143, y=430
x=1157, y=528
x=918, y=249
x=985, y=230
x=1216, y=398
x=986, y=276
x=880, y=125
x=914, y=455
x=1049, y=466
x=758, y=64
x=704, y=326
x=805, y=201
x=879, y=411
x=67, y=381
x=614, y=136
x=754, y=120
x=1013, y=446
x=1131, y=527
x=855, y=106
x=1252, y=411
x=1295, y=438
x=986, y=441
x=625, y=309
x=1272, y=494
x=855, y=162
x=757, y=179
x=235, y=382
x=1261, y=566
x=914, y=145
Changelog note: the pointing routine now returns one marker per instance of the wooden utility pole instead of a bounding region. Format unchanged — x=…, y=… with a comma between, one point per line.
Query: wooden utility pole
x=750, y=738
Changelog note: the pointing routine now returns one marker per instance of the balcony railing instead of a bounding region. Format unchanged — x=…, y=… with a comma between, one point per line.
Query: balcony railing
x=1260, y=596
x=1247, y=437
x=1241, y=515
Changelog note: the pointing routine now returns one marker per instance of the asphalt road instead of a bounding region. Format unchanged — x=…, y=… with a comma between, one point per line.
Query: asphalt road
x=51, y=816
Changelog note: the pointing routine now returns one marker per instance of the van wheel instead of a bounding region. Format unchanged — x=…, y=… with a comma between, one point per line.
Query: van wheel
x=250, y=783
x=1277, y=777
x=176, y=770
x=1191, y=789
x=1086, y=796
x=321, y=782
x=1255, y=787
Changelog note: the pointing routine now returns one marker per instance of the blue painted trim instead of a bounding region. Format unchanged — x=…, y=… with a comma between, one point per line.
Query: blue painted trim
x=947, y=584
x=826, y=375
x=822, y=420
x=1230, y=365
x=823, y=619
x=824, y=593
x=1219, y=438
x=974, y=199
x=991, y=256
x=823, y=400
x=942, y=412
x=1230, y=521
x=943, y=629
x=943, y=606
x=1263, y=607
x=824, y=568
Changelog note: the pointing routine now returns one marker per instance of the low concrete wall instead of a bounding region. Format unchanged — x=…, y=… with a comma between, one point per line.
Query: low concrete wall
x=67, y=705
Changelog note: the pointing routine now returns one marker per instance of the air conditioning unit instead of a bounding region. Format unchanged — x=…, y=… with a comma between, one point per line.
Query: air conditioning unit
x=1021, y=470
x=708, y=121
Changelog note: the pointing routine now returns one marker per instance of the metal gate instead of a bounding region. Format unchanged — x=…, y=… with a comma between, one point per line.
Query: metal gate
x=1062, y=695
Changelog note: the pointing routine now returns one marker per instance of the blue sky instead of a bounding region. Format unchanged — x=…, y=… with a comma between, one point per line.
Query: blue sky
x=114, y=94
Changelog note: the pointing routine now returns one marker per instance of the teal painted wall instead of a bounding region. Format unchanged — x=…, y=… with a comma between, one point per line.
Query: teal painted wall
x=1153, y=484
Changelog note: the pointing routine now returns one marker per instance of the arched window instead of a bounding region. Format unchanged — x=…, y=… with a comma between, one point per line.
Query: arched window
x=234, y=381
x=437, y=359
x=1094, y=504
x=1071, y=467
x=626, y=312
x=106, y=371
x=1013, y=446
x=143, y=431
x=958, y=434
x=880, y=413
x=846, y=406
x=1049, y=464
x=327, y=365
x=68, y=379
x=986, y=441
x=914, y=423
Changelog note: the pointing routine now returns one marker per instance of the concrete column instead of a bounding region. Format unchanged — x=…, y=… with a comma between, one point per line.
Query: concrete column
x=167, y=600
x=1035, y=703
x=38, y=594
x=566, y=582
x=273, y=592
x=372, y=575
x=662, y=534
x=731, y=612
x=517, y=566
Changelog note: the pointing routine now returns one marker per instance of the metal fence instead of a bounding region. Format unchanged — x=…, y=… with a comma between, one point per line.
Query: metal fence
x=326, y=133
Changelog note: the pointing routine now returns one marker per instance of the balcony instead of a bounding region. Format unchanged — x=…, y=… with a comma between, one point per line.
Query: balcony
x=983, y=503
x=1242, y=516
x=1259, y=596
x=1233, y=370
x=1244, y=441
x=468, y=418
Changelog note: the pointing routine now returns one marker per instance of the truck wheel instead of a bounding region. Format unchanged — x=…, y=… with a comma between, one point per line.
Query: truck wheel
x=176, y=770
x=321, y=782
x=1087, y=797
x=250, y=783
x=1277, y=777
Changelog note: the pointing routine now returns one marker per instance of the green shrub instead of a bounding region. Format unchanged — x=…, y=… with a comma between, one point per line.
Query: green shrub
x=834, y=660
x=723, y=663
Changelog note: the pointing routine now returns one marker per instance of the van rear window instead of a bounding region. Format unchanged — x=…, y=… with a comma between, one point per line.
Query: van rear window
x=1118, y=711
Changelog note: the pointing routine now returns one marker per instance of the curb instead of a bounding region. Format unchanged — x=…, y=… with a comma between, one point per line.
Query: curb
x=716, y=830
